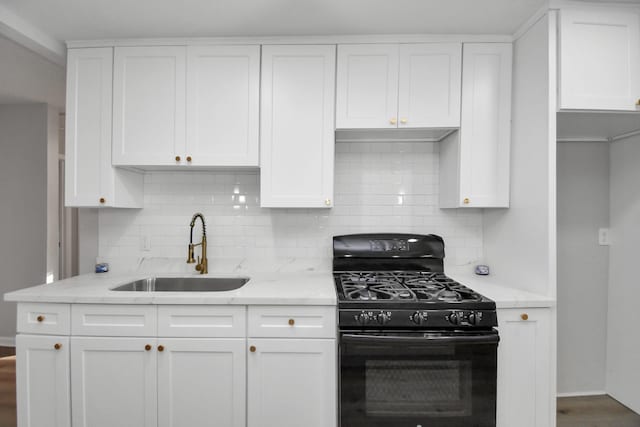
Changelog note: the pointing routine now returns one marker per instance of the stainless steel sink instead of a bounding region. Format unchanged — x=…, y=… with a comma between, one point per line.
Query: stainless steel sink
x=184, y=284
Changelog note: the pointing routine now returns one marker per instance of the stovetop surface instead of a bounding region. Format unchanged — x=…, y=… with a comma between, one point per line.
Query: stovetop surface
x=401, y=289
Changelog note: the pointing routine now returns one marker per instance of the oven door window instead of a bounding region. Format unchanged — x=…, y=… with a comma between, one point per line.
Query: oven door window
x=416, y=379
x=433, y=388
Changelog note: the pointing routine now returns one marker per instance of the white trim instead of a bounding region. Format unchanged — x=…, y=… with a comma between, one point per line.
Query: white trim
x=533, y=20
x=582, y=393
x=329, y=39
x=582, y=139
x=625, y=135
x=7, y=341
x=20, y=31
x=561, y=4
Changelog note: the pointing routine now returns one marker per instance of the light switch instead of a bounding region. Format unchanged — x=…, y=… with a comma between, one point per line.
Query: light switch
x=603, y=237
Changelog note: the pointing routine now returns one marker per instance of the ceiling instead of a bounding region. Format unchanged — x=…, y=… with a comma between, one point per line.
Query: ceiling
x=95, y=19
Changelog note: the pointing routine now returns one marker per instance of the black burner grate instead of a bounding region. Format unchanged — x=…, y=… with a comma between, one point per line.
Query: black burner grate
x=403, y=286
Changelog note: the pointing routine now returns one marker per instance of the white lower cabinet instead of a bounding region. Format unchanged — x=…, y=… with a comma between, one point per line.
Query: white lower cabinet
x=42, y=378
x=192, y=370
x=524, y=372
x=114, y=382
x=202, y=382
x=292, y=383
x=148, y=382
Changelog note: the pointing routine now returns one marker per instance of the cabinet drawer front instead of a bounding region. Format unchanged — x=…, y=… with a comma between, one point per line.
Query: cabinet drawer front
x=202, y=321
x=114, y=320
x=47, y=319
x=292, y=322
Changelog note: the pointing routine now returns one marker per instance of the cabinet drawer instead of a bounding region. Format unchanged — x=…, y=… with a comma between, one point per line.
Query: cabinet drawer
x=292, y=322
x=202, y=321
x=114, y=320
x=46, y=319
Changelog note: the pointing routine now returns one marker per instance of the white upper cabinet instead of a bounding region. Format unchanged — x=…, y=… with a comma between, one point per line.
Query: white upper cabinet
x=367, y=91
x=474, y=162
x=297, y=126
x=429, y=94
x=90, y=179
x=149, y=105
x=183, y=106
x=599, y=59
x=223, y=91
x=387, y=86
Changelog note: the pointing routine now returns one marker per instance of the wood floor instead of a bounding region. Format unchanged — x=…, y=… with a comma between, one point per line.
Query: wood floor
x=591, y=411
x=595, y=411
x=7, y=387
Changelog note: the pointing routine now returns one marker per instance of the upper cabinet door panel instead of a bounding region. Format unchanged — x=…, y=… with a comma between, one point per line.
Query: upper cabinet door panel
x=148, y=105
x=367, y=86
x=599, y=59
x=223, y=90
x=429, y=88
x=485, y=131
x=88, y=126
x=297, y=126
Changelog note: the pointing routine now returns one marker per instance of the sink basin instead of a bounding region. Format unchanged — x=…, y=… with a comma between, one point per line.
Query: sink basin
x=184, y=284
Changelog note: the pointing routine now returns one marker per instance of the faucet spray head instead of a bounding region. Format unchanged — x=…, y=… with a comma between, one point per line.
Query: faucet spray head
x=190, y=259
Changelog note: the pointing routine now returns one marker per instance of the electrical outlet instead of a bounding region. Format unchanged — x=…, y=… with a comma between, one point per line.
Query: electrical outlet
x=146, y=243
x=603, y=237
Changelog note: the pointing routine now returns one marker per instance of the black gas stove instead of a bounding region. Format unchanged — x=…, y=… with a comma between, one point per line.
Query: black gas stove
x=416, y=347
x=398, y=280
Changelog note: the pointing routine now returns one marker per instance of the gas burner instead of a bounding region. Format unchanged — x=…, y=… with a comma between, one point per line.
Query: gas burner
x=448, y=295
x=373, y=286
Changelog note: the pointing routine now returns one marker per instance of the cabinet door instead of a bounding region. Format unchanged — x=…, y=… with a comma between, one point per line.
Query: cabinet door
x=149, y=105
x=292, y=383
x=599, y=59
x=223, y=89
x=42, y=380
x=297, y=126
x=367, y=88
x=524, y=368
x=201, y=382
x=113, y=382
x=429, y=89
x=88, y=170
x=485, y=131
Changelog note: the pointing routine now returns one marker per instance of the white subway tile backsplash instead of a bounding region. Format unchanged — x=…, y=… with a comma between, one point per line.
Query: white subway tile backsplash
x=379, y=187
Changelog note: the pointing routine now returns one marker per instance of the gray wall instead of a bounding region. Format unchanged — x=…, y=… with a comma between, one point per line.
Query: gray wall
x=23, y=203
x=623, y=337
x=583, y=266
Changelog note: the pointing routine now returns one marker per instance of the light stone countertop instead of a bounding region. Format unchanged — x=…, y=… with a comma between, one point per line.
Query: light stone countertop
x=303, y=288
x=491, y=287
x=289, y=282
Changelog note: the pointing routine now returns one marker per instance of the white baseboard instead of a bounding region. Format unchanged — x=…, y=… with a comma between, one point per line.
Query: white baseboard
x=7, y=341
x=582, y=393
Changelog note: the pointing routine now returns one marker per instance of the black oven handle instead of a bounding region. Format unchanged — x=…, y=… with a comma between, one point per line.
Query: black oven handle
x=485, y=338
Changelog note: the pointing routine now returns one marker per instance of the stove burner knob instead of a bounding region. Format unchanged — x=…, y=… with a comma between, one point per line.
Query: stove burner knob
x=383, y=318
x=473, y=320
x=363, y=318
x=418, y=318
x=454, y=318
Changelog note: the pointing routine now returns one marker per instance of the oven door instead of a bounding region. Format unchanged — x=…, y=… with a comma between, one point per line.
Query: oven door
x=418, y=379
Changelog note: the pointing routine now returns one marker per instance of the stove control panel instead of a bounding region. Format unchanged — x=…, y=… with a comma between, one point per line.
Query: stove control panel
x=465, y=318
x=416, y=318
x=373, y=317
